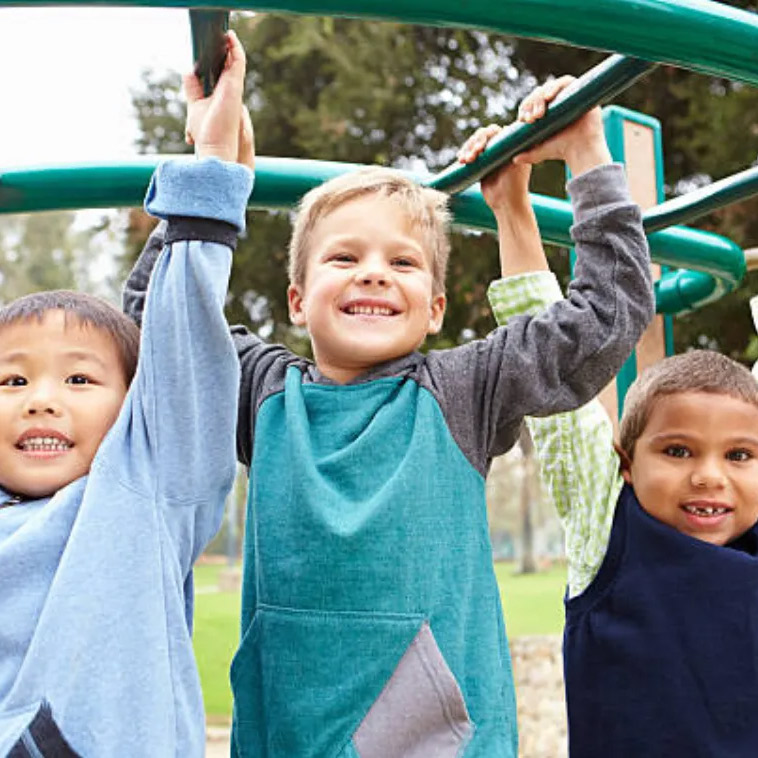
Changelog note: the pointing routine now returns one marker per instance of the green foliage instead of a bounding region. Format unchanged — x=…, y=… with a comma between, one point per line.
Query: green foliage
x=407, y=96
x=709, y=132
x=41, y=251
x=361, y=92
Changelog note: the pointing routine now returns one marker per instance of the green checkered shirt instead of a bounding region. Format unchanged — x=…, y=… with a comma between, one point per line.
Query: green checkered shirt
x=575, y=450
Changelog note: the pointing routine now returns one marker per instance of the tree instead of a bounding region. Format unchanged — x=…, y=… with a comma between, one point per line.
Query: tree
x=361, y=92
x=44, y=251
x=404, y=95
x=529, y=491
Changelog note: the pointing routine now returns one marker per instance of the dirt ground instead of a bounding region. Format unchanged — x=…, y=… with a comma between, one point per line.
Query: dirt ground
x=217, y=745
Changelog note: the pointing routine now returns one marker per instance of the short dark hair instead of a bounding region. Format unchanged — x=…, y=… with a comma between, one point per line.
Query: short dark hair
x=695, y=371
x=86, y=309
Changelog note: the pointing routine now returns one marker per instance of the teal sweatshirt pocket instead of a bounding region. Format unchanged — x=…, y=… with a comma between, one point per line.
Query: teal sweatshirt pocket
x=306, y=683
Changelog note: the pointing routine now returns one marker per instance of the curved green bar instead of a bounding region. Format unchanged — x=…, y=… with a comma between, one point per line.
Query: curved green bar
x=702, y=201
x=704, y=36
x=280, y=182
x=597, y=85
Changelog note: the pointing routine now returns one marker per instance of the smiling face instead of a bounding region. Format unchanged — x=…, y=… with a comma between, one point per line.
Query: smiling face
x=61, y=388
x=368, y=290
x=695, y=465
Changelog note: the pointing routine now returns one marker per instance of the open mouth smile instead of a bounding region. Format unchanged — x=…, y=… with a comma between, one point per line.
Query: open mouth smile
x=706, y=510
x=367, y=309
x=706, y=515
x=43, y=444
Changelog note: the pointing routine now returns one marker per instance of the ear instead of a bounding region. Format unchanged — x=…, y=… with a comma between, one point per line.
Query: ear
x=295, y=301
x=436, y=313
x=625, y=463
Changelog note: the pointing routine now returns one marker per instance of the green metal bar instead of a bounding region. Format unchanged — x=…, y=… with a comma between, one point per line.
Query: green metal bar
x=709, y=37
x=280, y=182
x=208, y=46
x=596, y=86
x=699, y=203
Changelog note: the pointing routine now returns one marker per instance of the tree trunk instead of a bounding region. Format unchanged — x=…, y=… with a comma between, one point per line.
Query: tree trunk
x=528, y=492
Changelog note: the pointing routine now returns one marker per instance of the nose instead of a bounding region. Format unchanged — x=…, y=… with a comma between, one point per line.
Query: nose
x=373, y=271
x=41, y=401
x=708, y=474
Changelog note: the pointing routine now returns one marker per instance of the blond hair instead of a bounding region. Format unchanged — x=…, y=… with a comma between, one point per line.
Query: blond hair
x=695, y=371
x=426, y=210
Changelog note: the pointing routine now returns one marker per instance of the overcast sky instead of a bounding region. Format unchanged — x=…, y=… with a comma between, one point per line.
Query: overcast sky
x=66, y=75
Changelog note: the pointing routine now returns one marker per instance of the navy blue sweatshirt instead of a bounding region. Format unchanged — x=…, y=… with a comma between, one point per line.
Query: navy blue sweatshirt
x=661, y=650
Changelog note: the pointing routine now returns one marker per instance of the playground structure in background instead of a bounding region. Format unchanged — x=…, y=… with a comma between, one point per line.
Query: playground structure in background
x=700, y=35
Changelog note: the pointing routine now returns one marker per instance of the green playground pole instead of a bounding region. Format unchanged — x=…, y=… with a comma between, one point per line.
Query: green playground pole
x=700, y=202
x=709, y=37
x=596, y=86
x=281, y=182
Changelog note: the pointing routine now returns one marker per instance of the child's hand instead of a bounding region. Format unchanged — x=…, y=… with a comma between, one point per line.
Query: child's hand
x=506, y=189
x=219, y=125
x=581, y=145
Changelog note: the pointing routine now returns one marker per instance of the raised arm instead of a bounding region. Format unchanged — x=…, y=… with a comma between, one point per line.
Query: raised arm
x=575, y=450
x=560, y=358
x=179, y=419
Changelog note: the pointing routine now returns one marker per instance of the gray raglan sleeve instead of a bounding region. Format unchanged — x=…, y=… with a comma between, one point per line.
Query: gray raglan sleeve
x=558, y=360
x=262, y=365
x=135, y=289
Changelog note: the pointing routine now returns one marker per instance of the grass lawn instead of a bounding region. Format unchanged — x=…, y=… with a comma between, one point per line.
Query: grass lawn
x=216, y=636
x=533, y=604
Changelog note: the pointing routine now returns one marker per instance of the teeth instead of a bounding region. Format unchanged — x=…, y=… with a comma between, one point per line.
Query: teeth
x=369, y=310
x=705, y=510
x=36, y=444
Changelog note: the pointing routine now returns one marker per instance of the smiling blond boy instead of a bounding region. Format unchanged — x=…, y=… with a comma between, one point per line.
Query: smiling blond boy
x=371, y=617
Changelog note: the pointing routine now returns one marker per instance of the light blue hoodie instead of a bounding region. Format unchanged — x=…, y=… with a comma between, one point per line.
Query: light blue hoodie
x=96, y=599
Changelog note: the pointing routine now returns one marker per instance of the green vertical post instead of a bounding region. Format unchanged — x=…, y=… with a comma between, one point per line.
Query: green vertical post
x=615, y=118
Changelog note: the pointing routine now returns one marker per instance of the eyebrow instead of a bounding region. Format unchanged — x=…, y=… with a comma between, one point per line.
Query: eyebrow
x=77, y=355
x=685, y=437
x=400, y=244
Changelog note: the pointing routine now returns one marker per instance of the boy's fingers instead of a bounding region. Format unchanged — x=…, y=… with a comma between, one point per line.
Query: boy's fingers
x=477, y=142
x=471, y=147
x=234, y=65
x=193, y=89
x=557, y=85
x=529, y=103
x=246, y=148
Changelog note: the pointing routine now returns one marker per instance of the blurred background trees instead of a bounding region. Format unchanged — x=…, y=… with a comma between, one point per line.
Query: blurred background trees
x=407, y=96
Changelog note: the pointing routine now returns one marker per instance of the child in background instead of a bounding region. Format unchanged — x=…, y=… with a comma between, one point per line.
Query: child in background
x=114, y=471
x=371, y=616
x=661, y=540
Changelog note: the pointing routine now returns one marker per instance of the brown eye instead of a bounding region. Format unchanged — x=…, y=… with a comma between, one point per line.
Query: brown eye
x=78, y=379
x=404, y=262
x=739, y=456
x=14, y=381
x=677, y=451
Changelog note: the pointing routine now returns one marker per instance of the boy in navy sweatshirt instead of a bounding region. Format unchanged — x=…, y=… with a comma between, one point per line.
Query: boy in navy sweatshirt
x=114, y=470
x=661, y=540
x=371, y=616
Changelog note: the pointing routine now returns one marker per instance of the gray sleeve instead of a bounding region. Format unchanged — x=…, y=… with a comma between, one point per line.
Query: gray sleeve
x=135, y=289
x=263, y=368
x=557, y=360
x=262, y=365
